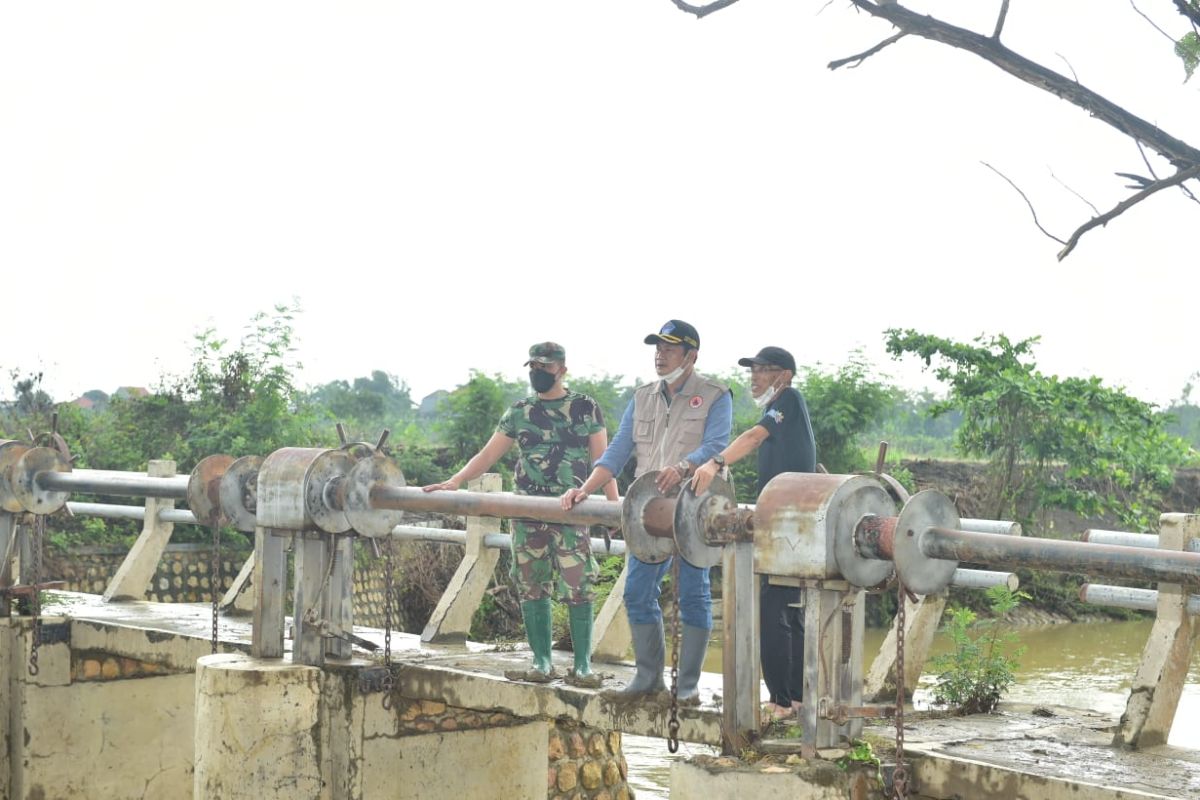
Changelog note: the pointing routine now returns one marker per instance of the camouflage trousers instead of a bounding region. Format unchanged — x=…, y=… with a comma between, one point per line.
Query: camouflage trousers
x=549, y=556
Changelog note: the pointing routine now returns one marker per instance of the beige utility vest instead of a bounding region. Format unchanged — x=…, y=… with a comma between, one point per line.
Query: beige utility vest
x=663, y=434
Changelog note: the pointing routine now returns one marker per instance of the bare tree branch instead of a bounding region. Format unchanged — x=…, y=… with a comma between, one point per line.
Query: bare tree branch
x=1032, y=210
x=1077, y=194
x=1153, y=24
x=864, y=55
x=1000, y=20
x=1146, y=160
x=1074, y=75
x=1150, y=168
x=703, y=11
x=1179, y=153
x=1126, y=204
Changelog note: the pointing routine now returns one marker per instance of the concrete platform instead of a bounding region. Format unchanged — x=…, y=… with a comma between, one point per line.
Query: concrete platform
x=469, y=675
x=1039, y=753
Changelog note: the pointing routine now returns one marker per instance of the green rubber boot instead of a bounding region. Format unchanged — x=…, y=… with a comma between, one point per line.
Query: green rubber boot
x=538, y=632
x=581, y=639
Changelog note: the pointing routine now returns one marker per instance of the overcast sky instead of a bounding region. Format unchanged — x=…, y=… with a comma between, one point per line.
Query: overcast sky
x=441, y=184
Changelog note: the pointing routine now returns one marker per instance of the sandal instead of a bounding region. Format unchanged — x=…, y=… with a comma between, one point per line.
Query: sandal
x=772, y=711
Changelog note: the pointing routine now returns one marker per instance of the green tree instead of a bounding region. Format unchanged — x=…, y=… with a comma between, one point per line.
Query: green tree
x=31, y=408
x=1064, y=442
x=844, y=405
x=238, y=400
x=468, y=415
x=368, y=404
x=610, y=392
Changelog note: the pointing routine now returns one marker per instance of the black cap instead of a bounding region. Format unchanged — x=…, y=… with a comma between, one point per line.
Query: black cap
x=676, y=331
x=770, y=356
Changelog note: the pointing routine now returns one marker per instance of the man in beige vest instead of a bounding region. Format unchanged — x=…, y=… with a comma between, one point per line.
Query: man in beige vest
x=673, y=425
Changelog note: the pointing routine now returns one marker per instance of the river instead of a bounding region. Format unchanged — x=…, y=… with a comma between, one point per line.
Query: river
x=1083, y=665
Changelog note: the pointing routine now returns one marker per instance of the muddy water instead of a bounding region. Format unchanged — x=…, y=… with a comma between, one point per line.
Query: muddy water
x=1081, y=665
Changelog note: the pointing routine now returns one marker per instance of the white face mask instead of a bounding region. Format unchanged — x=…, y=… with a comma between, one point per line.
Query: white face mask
x=674, y=374
x=763, y=400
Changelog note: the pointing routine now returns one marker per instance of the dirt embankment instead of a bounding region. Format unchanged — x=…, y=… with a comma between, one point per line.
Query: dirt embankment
x=963, y=482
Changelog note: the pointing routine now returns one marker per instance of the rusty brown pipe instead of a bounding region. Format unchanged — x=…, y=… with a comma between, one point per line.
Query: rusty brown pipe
x=1110, y=561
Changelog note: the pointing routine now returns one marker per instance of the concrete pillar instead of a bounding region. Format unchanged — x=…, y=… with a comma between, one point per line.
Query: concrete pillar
x=740, y=654
x=612, y=636
x=451, y=620
x=921, y=620
x=236, y=598
x=258, y=729
x=135, y=572
x=269, y=584
x=8, y=548
x=1158, y=684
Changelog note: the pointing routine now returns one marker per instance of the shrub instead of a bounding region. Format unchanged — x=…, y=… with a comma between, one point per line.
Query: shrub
x=980, y=669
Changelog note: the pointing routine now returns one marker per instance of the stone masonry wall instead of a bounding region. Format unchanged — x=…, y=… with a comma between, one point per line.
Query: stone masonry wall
x=184, y=576
x=585, y=763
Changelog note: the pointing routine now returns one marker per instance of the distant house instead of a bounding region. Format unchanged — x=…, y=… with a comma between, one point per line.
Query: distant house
x=93, y=400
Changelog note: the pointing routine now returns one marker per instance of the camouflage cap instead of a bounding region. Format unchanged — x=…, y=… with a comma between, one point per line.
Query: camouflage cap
x=546, y=353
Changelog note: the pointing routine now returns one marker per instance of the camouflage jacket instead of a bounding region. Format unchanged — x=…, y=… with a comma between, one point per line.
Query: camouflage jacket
x=552, y=437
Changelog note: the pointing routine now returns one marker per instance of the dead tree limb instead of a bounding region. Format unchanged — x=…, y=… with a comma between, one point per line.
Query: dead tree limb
x=703, y=11
x=1032, y=210
x=855, y=60
x=1000, y=20
x=1179, y=153
x=1182, y=156
x=1126, y=204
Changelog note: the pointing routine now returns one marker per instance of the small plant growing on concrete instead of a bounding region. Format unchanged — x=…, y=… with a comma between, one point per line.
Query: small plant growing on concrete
x=980, y=669
x=862, y=754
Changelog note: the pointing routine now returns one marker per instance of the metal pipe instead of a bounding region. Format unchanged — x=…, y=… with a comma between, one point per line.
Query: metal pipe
x=1128, y=539
x=113, y=483
x=404, y=532
x=1130, y=563
x=498, y=540
x=496, y=504
x=1003, y=527
x=138, y=513
x=1125, y=597
x=984, y=579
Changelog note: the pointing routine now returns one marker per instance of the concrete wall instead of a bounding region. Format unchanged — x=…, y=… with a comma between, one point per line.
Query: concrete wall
x=271, y=729
x=88, y=727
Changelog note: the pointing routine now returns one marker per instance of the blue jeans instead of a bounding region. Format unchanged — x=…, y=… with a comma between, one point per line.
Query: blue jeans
x=643, y=586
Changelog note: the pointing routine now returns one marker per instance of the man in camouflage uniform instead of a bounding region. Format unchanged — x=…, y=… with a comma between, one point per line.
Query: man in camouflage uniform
x=558, y=433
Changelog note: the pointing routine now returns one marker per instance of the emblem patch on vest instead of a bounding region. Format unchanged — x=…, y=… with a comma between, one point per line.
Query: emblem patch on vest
x=696, y=401
x=776, y=415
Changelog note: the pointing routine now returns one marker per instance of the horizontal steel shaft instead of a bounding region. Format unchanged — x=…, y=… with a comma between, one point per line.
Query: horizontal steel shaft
x=113, y=483
x=1112, y=561
x=592, y=511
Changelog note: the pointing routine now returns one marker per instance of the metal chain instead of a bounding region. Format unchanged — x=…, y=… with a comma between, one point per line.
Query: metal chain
x=389, y=681
x=673, y=722
x=35, y=599
x=215, y=582
x=900, y=774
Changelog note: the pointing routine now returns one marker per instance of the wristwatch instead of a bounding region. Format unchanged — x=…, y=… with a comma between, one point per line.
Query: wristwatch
x=719, y=460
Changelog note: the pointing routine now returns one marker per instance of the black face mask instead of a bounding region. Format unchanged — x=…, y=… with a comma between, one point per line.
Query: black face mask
x=541, y=381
